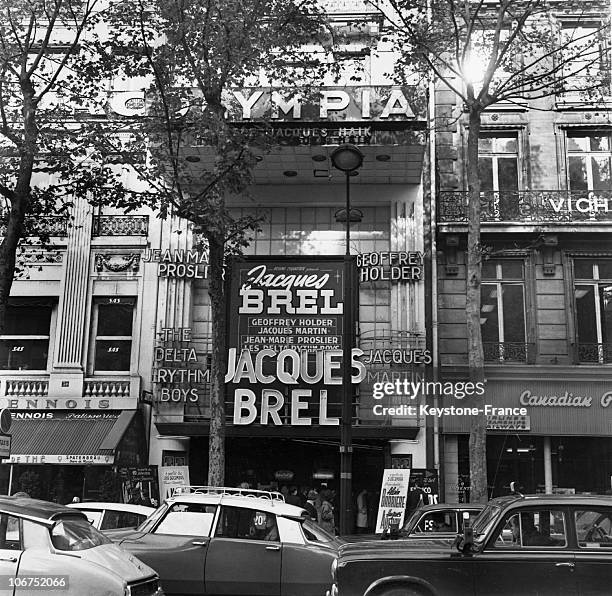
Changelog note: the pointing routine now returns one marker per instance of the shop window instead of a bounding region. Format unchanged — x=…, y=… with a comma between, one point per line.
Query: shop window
x=593, y=296
x=529, y=529
x=502, y=311
x=589, y=158
x=24, y=345
x=498, y=170
x=113, y=323
x=247, y=524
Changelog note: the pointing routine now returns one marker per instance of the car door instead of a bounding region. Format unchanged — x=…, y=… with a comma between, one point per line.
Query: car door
x=594, y=550
x=176, y=547
x=11, y=550
x=245, y=553
x=529, y=553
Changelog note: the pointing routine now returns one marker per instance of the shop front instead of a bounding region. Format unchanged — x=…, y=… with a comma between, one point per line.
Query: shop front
x=58, y=455
x=548, y=435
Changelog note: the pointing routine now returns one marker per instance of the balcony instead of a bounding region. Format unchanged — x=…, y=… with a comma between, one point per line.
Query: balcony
x=509, y=352
x=535, y=207
x=593, y=353
x=46, y=225
x=120, y=225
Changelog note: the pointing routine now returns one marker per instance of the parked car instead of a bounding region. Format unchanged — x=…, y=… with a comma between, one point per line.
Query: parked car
x=110, y=516
x=49, y=548
x=444, y=520
x=233, y=541
x=540, y=544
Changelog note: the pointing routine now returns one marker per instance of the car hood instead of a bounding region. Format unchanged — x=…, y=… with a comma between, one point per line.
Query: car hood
x=397, y=549
x=115, y=559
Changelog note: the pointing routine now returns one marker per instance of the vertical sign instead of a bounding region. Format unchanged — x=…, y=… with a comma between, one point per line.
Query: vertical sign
x=171, y=478
x=393, y=496
x=285, y=341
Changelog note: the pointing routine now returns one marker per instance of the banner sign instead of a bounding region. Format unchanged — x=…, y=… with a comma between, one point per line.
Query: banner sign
x=170, y=478
x=285, y=341
x=393, y=497
x=5, y=446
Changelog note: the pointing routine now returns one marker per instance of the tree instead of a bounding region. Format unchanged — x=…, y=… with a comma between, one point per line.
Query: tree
x=48, y=153
x=485, y=53
x=194, y=53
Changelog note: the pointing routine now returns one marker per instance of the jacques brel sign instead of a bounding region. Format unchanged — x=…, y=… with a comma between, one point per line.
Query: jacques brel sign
x=285, y=342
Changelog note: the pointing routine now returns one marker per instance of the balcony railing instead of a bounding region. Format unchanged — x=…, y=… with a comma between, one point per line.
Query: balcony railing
x=121, y=225
x=593, y=353
x=509, y=352
x=529, y=206
x=50, y=225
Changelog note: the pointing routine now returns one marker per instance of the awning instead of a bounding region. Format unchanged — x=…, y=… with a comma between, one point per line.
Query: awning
x=62, y=437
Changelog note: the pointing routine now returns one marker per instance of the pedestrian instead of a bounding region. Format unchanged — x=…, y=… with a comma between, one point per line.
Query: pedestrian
x=362, y=511
x=326, y=515
x=310, y=506
x=293, y=497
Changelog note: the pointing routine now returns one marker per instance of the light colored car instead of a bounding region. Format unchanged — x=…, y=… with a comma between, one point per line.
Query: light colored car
x=111, y=516
x=47, y=548
x=233, y=541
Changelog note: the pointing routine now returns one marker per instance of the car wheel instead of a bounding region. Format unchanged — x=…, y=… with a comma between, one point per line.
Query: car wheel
x=403, y=591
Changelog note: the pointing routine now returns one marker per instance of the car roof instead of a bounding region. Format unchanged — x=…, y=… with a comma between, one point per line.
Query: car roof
x=129, y=507
x=552, y=500
x=35, y=509
x=452, y=507
x=251, y=502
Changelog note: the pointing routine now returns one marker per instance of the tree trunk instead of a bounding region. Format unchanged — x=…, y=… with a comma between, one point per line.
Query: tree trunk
x=478, y=430
x=216, y=439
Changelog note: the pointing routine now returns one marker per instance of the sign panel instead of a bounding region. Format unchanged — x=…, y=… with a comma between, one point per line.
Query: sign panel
x=5, y=446
x=170, y=478
x=393, y=497
x=285, y=341
x=65, y=459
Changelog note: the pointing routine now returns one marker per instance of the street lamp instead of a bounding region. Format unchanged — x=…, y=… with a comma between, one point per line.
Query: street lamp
x=348, y=159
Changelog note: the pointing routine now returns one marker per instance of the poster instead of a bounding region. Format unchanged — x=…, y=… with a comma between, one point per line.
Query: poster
x=170, y=478
x=393, y=496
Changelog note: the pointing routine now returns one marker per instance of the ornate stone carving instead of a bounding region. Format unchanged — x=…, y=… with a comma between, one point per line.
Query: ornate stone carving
x=118, y=263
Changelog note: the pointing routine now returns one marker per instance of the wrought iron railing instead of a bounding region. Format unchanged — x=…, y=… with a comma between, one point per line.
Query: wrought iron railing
x=49, y=225
x=528, y=206
x=593, y=353
x=120, y=225
x=509, y=352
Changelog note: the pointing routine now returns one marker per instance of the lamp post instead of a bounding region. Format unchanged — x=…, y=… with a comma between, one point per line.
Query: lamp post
x=347, y=159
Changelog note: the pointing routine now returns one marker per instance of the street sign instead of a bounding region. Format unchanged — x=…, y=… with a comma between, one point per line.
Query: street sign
x=5, y=446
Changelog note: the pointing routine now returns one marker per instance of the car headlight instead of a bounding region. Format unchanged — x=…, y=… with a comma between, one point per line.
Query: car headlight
x=334, y=570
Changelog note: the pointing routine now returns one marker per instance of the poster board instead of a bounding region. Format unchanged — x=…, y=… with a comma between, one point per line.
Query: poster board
x=393, y=497
x=170, y=478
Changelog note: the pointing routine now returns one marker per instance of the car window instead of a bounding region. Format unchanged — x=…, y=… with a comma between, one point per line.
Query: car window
x=437, y=521
x=472, y=515
x=249, y=524
x=594, y=528
x=314, y=533
x=74, y=534
x=527, y=529
x=187, y=519
x=152, y=520
x=120, y=519
x=93, y=516
x=10, y=532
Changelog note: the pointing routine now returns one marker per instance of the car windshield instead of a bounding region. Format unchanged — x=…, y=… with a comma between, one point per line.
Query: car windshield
x=76, y=533
x=484, y=522
x=150, y=522
x=412, y=520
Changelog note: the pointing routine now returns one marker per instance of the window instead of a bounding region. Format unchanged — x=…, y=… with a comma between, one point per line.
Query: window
x=10, y=532
x=585, y=54
x=24, y=345
x=120, y=519
x=498, y=170
x=589, y=157
x=187, y=519
x=437, y=521
x=593, y=296
x=594, y=528
x=502, y=311
x=530, y=529
x=113, y=321
x=247, y=524
x=74, y=534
